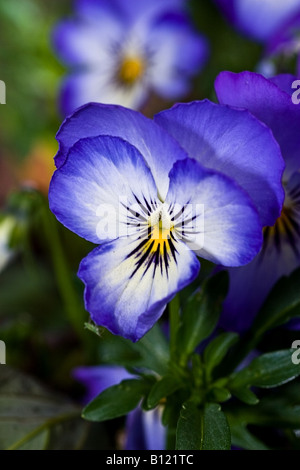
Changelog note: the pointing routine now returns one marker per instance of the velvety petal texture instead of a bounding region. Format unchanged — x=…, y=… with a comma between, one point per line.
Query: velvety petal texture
x=145, y=430
x=93, y=189
x=159, y=149
x=219, y=221
x=269, y=101
x=234, y=143
x=128, y=286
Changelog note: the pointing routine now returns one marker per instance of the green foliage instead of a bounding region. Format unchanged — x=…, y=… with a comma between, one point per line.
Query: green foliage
x=205, y=429
x=116, y=401
x=190, y=384
x=32, y=418
x=282, y=304
x=201, y=313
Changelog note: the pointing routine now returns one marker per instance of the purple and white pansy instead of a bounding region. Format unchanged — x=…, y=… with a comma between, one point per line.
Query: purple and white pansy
x=201, y=179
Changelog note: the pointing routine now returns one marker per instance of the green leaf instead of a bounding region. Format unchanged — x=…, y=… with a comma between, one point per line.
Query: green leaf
x=241, y=437
x=215, y=429
x=201, y=313
x=162, y=389
x=33, y=418
x=217, y=349
x=220, y=394
x=269, y=370
x=151, y=352
x=116, y=401
x=202, y=429
x=282, y=304
x=189, y=428
x=154, y=350
x=245, y=395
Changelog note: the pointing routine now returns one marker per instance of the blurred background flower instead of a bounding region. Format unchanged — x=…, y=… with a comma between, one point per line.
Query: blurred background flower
x=273, y=23
x=270, y=101
x=121, y=51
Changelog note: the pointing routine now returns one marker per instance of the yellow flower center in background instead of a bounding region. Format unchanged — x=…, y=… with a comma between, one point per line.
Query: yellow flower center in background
x=131, y=70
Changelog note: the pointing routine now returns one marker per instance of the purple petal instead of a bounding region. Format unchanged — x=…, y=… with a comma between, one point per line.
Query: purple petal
x=280, y=256
x=127, y=290
x=100, y=178
x=284, y=81
x=179, y=55
x=97, y=378
x=270, y=104
x=157, y=147
x=129, y=10
x=144, y=430
x=98, y=85
x=234, y=143
x=219, y=220
x=259, y=19
x=80, y=43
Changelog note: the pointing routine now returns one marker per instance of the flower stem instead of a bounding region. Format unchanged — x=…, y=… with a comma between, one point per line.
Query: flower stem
x=72, y=303
x=174, y=317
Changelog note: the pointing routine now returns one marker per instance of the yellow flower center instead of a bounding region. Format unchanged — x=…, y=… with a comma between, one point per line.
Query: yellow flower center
x=286, y=228
x=131, y=70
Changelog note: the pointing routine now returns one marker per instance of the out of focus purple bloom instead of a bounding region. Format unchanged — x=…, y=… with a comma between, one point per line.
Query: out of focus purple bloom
x=96, y=378
x=271, y=102
x=274, y=23
x=144, y=430
x=259, y=19
x=120, y=50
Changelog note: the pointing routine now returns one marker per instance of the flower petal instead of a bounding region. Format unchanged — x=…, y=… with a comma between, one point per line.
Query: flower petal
x=270, y=104
x=144, y=430
x=129, y=10
x=101, y=177
x=79, y=43
x=280, y=256
x=259, y=18
x=97, y=378
x=98, y=85
x=158, y=148
x=178, y=53
x=219, y=220
x=234, y=143
x=127, y=289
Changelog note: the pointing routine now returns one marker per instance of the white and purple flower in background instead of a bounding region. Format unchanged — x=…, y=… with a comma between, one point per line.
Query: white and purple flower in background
x=270, y=100
x=221, y=162
x=120, y=50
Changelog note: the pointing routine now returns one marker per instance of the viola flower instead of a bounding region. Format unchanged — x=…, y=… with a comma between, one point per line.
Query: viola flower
x=201, y=180
x=119, y=51
x=143, y=429
x=286, y=42
x=259, y=19
x=270, y=101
